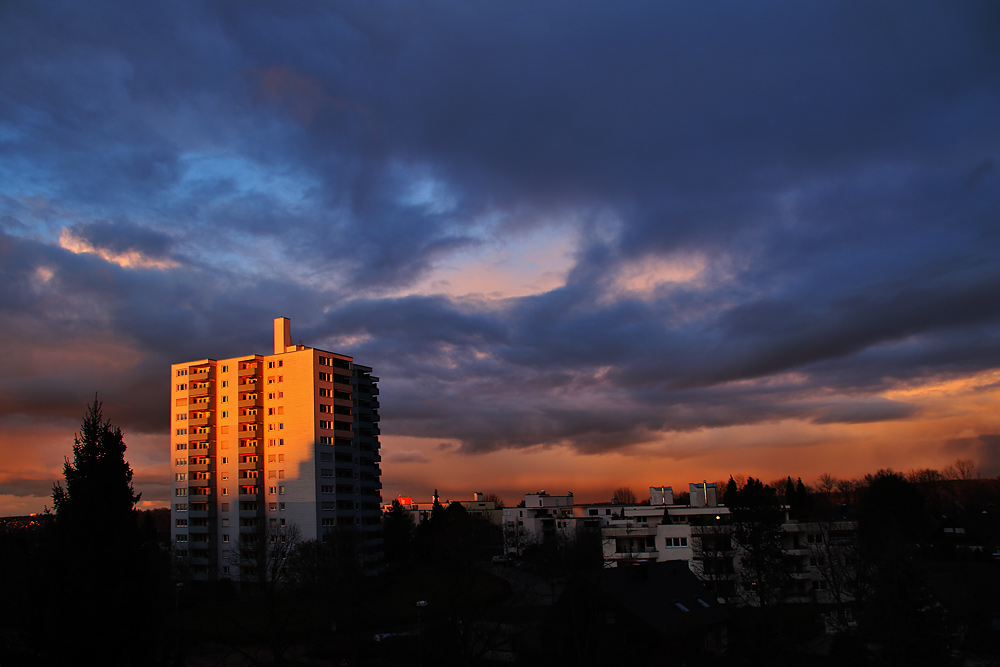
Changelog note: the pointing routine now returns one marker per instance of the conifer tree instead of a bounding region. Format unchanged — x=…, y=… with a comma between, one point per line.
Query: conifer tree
x=107, y=570
x=99, y=489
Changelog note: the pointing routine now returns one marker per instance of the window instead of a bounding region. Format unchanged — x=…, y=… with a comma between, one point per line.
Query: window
x=271, y=474
x=325, y=424
x=225, y=459
x=270, y=364
x=281, y=506
x=281, y=378
x=225, y=369
x=270, y=379
x=181, y=417
x=272, y=507
x=281, y=442
x=281, y=394
x=225, y=523
x=325, y=377
x=180, y=447
x=324, y=392
x=225, y=508
x=181, y=523
x=182, y=431
x=281, y=474
x=281, y=492
x=270, y=411
x=181, y=476
x=182, y=372
x=182, y=537
x=225, y=491
x=326, y=488
x=225, y=537
x=180, y=462
x=225, y=399
x=224, y=415
x=323, y=407
x=180, y=492
x=225, y=383
x=676, y=541
x=181, y=507
x=281, y=426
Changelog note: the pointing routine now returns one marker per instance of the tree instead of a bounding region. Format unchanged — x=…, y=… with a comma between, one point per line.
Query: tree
x=98, y=490
x=107, y=570
x=962, y=469
x=757, y=518
x=494, y=498
x=263, y=554
x=397, y=529
x=712, y=544
x=624, y=496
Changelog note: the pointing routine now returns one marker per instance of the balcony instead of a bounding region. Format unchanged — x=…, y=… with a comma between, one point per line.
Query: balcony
x=247, y=370
x=199, y=373
x=251, y=400
x=199, y=389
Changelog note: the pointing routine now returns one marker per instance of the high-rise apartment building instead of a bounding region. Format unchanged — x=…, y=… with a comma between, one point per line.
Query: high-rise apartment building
x=266, y=446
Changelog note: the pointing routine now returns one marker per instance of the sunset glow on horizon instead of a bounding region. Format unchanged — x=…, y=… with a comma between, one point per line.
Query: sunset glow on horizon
x=582, y=246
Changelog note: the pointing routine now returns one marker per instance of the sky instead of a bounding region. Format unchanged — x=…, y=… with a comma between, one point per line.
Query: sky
x=583, y=244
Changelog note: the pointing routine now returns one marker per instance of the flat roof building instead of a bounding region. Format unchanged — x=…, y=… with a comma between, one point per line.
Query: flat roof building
x=272, y=447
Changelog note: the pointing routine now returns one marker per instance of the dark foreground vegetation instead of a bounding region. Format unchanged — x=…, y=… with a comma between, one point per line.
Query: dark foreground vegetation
x=93, y=583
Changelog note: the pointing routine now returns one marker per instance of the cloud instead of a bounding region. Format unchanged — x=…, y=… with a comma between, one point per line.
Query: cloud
x=411, y=456
x=124, y=244
x=598, y=233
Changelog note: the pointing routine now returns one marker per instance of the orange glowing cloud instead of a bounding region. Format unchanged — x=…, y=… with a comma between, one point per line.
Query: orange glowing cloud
x=129, y=259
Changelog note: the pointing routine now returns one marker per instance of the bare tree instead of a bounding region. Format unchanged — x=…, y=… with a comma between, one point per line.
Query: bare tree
x=263, y=554
x=712, y=546
x=624, y=495
x=961, y=469
x=827, y=483
x=494, y=498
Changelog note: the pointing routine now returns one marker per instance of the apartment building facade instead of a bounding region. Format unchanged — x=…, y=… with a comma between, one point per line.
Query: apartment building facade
x=272, y=447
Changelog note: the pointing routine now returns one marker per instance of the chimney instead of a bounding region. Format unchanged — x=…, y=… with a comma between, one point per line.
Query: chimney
x=282, y=334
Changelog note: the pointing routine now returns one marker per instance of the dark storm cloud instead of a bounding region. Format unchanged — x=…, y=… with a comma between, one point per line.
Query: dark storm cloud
x=833, y=165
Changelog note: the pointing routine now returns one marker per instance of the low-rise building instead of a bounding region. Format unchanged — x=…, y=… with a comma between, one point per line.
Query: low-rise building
x=699, y=533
